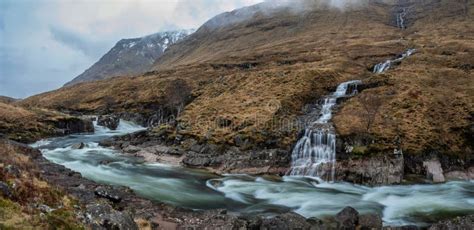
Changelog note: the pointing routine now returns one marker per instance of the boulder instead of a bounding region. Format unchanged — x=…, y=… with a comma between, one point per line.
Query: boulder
x=347, y=218
x=103, y=216
x=289, y=220
x=109, y=121
x=78, y=146
x=5, y=190
x=434, y=172
x=108, y=194
x=461, y=223
x=370, y=221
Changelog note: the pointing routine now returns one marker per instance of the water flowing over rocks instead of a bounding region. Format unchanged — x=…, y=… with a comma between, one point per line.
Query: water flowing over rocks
x=384, y=66
x=316, y=149
x=109, y=121
x=74, y=125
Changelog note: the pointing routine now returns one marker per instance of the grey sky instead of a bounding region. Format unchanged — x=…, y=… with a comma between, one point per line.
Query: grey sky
x=46, y=43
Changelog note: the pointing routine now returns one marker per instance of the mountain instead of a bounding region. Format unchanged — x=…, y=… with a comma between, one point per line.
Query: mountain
x=251, y=69
x=131, y=56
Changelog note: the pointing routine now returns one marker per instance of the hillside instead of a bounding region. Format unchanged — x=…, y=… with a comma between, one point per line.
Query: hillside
x=253, y=69
x=131, y=56
x=31, y=124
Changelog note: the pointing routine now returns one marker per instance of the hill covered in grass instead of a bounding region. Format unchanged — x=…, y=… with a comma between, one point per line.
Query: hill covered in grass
x=251, y=70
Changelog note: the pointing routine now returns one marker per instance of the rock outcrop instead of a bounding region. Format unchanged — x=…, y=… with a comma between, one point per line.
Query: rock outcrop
x=377, y=170
x=109, y=121
x=434, y=172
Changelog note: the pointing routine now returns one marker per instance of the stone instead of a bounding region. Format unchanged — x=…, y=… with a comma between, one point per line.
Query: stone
x=434, y=172
x=108, y=194
x=456, y=175
x=347, y=218
x=289, y=220
x=78, y=146
x=458, y=223
x=103, y=216
x=109, y=121
x=370, y=221
x=5, y=190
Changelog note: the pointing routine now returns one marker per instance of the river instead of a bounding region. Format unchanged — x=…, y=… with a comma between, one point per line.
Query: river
x=245, y=194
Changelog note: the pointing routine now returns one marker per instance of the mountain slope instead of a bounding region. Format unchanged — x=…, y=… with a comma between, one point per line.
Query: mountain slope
x=250, y=74
x=131, y=56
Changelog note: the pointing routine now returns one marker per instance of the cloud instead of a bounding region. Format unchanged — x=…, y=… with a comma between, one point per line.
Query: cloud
x=46, y=43
x=77, y=41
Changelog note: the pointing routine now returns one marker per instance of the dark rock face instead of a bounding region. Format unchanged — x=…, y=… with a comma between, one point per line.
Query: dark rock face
x=377, y=170
x=74, y=125
x=458, y=223
x=109, y=121
x=348, y=218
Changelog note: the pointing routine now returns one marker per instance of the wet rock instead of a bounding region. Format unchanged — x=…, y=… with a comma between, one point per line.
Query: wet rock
x=370, y=221
x=109, y=194
x=347, y=218
x=434, y=172
x=103, y=216
x=456, y=175
x=285, y=221
x=406, y=227
x=377, y=170
x=5, y=190
x=74, y=125
x=458, y=223
x=109, y=121
x=78, y=146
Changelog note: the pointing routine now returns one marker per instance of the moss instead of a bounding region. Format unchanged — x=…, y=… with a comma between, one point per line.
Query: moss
x=360, y=150
x=63, y=219
x=7, y=208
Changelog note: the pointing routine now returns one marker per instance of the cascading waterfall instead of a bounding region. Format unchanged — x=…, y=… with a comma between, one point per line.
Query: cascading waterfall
x=384, y=66
x=401, y=19
x=315, y=152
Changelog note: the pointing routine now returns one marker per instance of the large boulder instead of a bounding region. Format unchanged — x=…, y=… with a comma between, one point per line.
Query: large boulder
x=289, y=220
x=74, y=125
x=109, y=121
x=370, y=221
x=347, y=218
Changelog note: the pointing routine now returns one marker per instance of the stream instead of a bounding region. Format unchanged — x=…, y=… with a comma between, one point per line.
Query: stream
x=245, y=194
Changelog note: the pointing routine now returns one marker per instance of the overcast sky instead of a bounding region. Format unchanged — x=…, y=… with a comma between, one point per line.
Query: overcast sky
x=46, y=43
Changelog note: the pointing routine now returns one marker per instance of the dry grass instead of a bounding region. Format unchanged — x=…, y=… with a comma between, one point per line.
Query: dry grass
x=19, y=210
x=27, y=125
x=290, y=59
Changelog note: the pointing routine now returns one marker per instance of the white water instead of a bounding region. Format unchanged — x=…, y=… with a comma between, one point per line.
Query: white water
x=315, y=152
x=384, y=66
x=401, y=19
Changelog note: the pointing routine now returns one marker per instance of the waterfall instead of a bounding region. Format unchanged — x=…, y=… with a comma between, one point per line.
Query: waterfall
x=315, y=152
x=384, y=66
x=401, y=19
